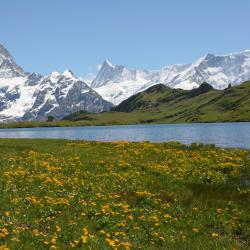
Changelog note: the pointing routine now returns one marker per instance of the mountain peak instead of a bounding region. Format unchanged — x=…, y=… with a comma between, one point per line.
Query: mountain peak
x=4, y=52
x=209, y=56
x=8, y=66
x=54, y=76
x=107, y=63
x=68, y=73
x=105, y=74
x=55, y=73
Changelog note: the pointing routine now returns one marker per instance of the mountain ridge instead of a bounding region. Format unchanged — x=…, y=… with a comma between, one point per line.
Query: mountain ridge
x=161, y=105
x=31, y=96
x=217, y=70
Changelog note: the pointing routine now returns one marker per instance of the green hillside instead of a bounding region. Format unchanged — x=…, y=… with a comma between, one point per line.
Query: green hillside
x=161, y=104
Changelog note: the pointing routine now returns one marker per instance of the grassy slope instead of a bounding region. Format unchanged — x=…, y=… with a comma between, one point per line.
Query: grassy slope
x=166, y=105
x=160, y=104
x=62, y=194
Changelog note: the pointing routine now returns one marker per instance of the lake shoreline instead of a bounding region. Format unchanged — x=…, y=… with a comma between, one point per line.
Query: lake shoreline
x=61, y=123
x=194, y=144
x=224, y=135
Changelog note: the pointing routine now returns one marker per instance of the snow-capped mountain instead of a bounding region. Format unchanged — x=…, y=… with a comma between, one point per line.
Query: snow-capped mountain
x=31, y=96
x=25, y=96
x=117, y=83
x=8, y=67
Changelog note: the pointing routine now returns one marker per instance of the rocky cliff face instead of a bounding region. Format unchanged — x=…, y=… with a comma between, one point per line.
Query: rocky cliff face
x=117, y=83
x=8, y=67
x=30, y=96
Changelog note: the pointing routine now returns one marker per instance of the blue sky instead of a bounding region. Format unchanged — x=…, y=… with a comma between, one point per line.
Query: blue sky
x=49, y=35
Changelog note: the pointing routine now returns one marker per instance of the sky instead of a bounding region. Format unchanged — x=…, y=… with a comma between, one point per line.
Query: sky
x=49, y=35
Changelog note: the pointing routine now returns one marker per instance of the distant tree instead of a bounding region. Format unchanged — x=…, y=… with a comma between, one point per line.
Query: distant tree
x=229, y=86
x=50, y=118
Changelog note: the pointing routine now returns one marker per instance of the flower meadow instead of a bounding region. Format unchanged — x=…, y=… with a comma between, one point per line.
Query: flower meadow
x=59, y=194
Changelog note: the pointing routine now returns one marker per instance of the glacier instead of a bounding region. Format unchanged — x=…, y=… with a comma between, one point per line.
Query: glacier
x=28, y=96
x=117, y=83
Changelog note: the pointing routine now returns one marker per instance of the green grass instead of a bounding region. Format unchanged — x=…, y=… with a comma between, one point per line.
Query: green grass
x=59, y=194
x=164, y=105
x=160, y=104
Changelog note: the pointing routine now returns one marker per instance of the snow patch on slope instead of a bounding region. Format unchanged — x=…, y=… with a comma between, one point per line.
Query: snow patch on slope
x=117, y=83
x=18, y=107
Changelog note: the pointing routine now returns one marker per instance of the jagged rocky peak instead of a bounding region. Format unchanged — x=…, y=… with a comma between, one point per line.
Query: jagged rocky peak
x=26, y=96
x=4, y=52
x=107, y=63
x=33, y=79
x=54, y=76
x=209, y=56
x=8, y=67
x=116, y=83
x=32, y=96
x=109, y=73
x=105, y=74
x=68, y=73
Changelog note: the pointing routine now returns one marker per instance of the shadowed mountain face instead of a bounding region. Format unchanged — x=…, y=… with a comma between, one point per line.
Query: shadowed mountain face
x=30, y=96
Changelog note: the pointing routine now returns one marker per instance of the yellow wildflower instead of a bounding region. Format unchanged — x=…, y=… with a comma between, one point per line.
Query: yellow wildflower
x=215, y=235
x=53, y=240
x=58, y=229
x=15, y=239
x=85, y=231
x=167, y=216
x=7, y=213
x=35, y=232
x=84, y=239
x=4, y=247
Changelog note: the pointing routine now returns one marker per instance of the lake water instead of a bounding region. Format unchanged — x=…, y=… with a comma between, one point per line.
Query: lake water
x=220, y=134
